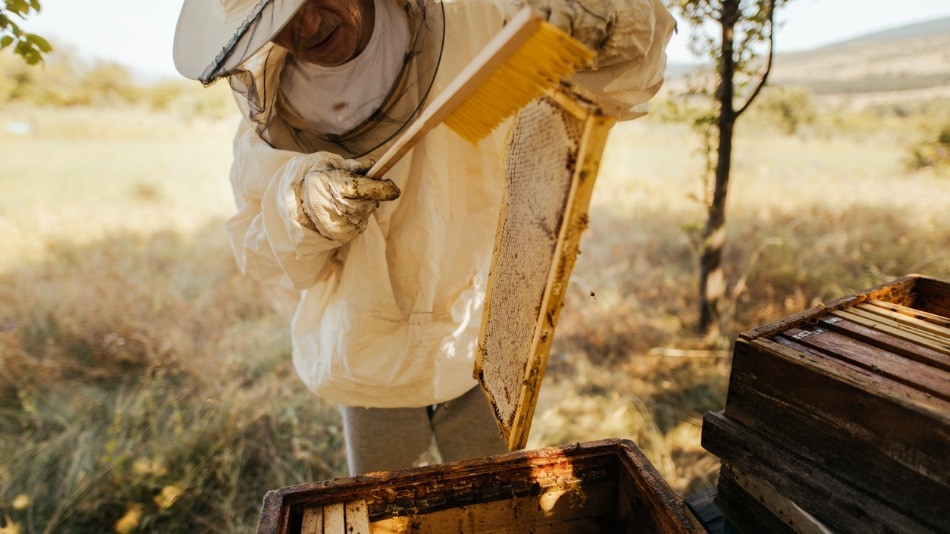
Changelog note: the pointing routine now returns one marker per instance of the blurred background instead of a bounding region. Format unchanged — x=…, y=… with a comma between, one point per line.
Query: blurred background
x=146, y=385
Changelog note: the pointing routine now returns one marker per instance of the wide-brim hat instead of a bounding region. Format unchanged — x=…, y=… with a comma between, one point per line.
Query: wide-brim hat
x=213, y=37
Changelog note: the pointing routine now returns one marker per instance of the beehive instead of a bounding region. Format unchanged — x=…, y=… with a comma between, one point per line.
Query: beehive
x=604, y=486
x=839, y=417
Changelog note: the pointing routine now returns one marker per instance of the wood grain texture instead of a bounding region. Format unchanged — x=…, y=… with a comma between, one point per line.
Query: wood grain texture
x=834, y=502
x=908, y=349
x=845, y=410
x=334, y=518
x=312, y=521
x=604, y=486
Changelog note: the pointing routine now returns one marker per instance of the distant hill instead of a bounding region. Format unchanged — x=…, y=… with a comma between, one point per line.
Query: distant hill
x=913, y=58
x=910, y=62
x=930, y=28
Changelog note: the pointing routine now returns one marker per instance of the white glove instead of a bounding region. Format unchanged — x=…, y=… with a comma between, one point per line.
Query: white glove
x=337, y=200
x=589, y=21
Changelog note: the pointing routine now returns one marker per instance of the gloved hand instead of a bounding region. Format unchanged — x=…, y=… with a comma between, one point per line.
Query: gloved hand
x=337, y=199
x=589, y=21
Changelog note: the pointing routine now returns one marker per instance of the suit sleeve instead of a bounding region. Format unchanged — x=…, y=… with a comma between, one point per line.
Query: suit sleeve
x=266, y=236
x=631, y=63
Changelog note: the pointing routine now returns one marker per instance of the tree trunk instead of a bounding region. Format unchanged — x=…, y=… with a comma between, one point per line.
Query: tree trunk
x=711, y=279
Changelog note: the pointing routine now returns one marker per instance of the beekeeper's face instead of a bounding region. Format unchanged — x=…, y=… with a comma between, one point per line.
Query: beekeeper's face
x=328, y=32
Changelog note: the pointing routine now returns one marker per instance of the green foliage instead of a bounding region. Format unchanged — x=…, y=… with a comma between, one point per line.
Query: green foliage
x=67, y=80
x=56, y=84
x=107, y=82
x=215, y=101
x=932, y=153
x=787, y=108
x=681, y=109
x=29, y=46
x=752, y=29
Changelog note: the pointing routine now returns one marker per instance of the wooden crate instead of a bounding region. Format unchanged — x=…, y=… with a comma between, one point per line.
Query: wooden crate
x=604, y=486
x=839, y=417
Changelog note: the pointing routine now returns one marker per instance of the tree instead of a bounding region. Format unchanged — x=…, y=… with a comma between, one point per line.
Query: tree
x=746, y=26
x=29, y=46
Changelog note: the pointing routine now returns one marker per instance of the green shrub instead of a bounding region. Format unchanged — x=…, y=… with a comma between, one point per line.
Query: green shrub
x=932, y=153
x=787, y=108
x=214, y=102
x=66, y=80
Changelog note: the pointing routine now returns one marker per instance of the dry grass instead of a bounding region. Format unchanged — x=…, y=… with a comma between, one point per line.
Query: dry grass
x=145, y=384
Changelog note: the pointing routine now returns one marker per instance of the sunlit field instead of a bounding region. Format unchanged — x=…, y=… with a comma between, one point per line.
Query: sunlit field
x=146, y=385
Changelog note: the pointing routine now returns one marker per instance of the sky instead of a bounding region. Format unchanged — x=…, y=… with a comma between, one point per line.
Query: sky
x=138, y=33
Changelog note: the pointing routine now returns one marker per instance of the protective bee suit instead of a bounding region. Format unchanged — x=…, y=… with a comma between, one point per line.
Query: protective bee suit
x=391, y=318
x=388, y=308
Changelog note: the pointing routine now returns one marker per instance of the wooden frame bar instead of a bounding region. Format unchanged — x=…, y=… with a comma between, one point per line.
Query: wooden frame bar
x=537, y=244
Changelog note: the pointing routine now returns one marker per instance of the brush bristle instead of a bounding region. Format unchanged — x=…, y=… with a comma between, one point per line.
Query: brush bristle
x=548, y=56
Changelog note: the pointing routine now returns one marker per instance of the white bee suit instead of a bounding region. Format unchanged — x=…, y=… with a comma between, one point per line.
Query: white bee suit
x=391, y=319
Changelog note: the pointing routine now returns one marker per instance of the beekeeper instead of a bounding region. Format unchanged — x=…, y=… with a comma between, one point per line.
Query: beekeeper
x=389, y=274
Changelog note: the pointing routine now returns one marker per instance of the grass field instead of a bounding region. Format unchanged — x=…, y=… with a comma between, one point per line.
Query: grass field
x=145, y=385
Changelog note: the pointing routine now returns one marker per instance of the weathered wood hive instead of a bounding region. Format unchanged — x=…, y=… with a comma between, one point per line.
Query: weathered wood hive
x=839, y=417
x=605, y=486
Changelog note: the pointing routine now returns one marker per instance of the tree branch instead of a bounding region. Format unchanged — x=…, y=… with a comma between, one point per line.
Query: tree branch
x=768, y=61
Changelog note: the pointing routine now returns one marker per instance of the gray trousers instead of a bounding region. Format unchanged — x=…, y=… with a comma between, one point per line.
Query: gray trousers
x=379, y=439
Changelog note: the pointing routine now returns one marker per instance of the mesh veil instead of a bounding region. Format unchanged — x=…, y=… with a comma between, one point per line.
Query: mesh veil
x=255, y=84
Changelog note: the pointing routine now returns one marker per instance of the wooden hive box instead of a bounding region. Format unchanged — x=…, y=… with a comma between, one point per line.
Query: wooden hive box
x=604, y=486
x=838, y=417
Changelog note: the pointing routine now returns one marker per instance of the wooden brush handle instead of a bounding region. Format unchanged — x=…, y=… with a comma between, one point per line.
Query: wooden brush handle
x=511, y=37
